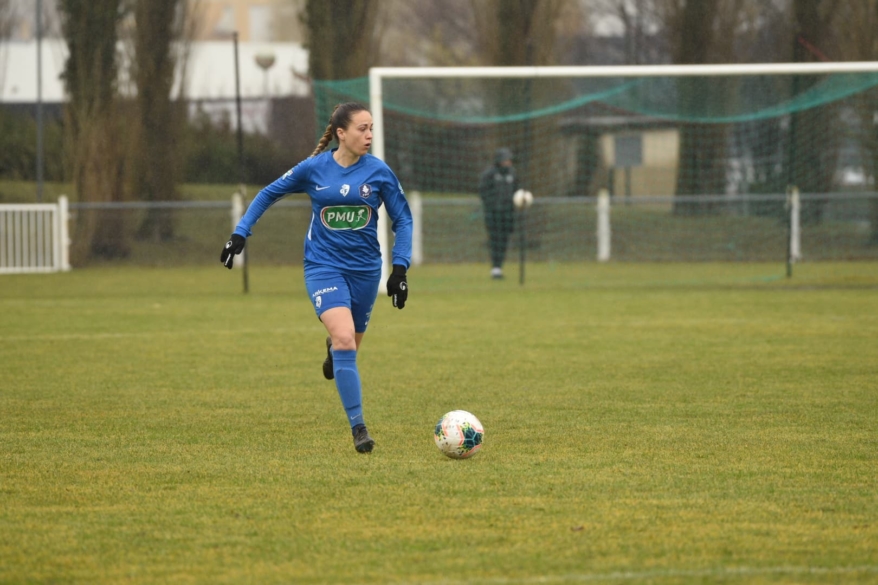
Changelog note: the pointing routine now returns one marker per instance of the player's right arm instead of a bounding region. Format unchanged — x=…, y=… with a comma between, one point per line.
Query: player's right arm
x=293, y=181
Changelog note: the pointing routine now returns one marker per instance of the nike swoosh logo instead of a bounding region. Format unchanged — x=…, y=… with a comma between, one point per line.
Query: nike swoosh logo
x=321, y=188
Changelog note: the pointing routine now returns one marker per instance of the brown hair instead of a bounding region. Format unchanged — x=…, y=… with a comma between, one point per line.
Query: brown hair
x=340, y=118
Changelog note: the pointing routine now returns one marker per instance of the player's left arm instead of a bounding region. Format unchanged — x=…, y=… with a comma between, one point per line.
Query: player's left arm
x=401, y=223
x=401, y=220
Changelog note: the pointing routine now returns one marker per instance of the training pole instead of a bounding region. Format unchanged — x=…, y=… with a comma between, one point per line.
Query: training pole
x=522, y=240
x=242, y=188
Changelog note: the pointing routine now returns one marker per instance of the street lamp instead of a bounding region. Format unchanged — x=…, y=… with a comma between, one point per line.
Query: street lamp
x=265, y=62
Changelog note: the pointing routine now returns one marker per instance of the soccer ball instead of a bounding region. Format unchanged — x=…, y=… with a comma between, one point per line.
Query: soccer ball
x=522, y=199
x=459, y=434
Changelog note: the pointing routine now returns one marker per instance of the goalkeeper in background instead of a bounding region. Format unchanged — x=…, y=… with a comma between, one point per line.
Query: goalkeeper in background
x=346, y=186
x=497, y=184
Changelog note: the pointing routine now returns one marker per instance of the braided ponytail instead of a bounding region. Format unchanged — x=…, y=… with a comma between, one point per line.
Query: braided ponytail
x=324, y=140
x=340, y=118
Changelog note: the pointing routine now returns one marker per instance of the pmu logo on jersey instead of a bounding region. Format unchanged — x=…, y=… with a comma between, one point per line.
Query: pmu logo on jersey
x=345, y=189
x=365, y=191
x=346, y=217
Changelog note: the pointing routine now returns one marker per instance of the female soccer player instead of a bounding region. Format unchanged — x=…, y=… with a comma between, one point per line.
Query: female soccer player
x=342, y=256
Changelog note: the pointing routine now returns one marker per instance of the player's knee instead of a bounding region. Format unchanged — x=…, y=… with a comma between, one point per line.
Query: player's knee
x=343, y=340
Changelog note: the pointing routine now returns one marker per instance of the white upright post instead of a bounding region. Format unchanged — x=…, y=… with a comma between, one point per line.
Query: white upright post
x=604, y=235
x=795, y=225
x=417, y=206
x=376, y=105
x=237, y=214
x=63, y=233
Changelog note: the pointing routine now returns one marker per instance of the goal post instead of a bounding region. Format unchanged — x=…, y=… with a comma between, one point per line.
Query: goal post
x=436, y=127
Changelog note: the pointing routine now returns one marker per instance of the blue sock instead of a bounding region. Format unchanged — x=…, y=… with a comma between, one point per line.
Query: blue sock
x=347, y=380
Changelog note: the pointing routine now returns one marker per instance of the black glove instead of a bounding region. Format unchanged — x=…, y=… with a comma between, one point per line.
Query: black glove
x=233, y=247
x=397, y=287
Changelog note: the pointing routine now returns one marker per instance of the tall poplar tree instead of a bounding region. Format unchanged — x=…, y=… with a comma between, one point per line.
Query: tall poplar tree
x=156, y=148
x=701, y=169
x=96, y=161
x=520, y=32
x=812, y=148
x=342, y=37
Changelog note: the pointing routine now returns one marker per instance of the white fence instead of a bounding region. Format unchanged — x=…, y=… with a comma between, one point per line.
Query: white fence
x=603, y=227
x=33, y=237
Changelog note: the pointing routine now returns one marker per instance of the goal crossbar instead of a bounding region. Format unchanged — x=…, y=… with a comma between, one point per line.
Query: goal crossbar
x=378, y=73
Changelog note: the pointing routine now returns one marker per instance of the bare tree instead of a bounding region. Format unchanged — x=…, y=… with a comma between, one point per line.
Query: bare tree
x=464, y=33
x=425, y=32
x=701, y=32
x=701, y=169
x=90, y=29
x=813, y=149
x=155, y=164
x=637, y=20
x=343, y=37
x=523, y=32
x=860, y=43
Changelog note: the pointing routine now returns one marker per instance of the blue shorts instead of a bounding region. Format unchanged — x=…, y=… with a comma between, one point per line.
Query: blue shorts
x=329, y=288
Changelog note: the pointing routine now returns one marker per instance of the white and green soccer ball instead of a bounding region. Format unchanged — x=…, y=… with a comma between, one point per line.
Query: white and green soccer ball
x=459, y=434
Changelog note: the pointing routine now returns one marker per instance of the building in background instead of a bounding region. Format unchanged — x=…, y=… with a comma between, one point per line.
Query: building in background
x=255, y=20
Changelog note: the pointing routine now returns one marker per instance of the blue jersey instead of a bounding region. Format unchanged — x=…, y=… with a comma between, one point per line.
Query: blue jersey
x=344, y=211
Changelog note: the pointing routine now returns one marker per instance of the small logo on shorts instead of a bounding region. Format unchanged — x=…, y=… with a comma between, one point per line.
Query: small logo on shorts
x=318, y=295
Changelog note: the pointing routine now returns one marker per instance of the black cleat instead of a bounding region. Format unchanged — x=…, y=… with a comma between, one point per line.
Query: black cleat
x=327, y=363
x=363, y=443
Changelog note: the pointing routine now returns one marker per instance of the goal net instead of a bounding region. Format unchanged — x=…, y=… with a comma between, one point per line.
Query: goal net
x=698, y=162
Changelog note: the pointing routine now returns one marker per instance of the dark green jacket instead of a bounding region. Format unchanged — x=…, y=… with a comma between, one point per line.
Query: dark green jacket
x=497, y=184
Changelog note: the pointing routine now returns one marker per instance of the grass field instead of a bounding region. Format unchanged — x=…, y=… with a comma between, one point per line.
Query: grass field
x=659, y=423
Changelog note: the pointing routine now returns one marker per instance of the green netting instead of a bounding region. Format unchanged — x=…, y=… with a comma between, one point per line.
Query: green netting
x=713, y=99
x=720, y=152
